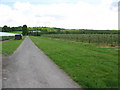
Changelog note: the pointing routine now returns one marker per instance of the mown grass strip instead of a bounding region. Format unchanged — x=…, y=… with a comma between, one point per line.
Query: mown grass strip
x=88, y=65
x=3, y=38
x=0, y=45
x=10, y=46
x=17, y=32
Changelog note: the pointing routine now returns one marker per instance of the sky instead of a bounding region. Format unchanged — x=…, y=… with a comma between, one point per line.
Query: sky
x=69, y=14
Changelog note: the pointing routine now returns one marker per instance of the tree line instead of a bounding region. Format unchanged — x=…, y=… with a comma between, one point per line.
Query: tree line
x=53, y=30
x=23, y=28
x=5, y=28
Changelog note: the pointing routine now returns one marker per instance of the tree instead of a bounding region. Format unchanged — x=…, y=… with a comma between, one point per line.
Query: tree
x=5, y=28
x=24, y=30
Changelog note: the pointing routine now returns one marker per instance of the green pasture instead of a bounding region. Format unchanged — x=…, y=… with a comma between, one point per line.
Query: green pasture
x=89, y=65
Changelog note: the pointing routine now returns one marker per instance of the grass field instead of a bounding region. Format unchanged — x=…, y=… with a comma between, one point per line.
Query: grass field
x=3, y=38
x=0, y=45
x=17, y=32
x=89, y=65
x=10, y=46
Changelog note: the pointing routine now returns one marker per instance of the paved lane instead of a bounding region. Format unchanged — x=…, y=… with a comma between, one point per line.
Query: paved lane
x=29, y=67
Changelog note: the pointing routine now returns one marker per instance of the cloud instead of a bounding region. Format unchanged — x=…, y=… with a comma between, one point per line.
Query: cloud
x=80, y=15
x=41, y=1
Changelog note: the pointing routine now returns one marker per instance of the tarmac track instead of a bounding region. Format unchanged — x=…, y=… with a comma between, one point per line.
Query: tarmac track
x=29, y=67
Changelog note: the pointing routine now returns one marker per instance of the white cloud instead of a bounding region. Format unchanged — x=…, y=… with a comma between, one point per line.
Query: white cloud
x=81, y=15
x=42, y=1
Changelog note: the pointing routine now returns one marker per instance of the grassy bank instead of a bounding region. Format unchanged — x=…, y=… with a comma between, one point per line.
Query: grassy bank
x=0, y=48
x=3, y=38
x=10, y=46
x=17, y=32
x=88, y=65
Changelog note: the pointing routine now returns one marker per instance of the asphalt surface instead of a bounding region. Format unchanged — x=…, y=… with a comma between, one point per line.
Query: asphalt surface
x=29, y=67
x=0, y=71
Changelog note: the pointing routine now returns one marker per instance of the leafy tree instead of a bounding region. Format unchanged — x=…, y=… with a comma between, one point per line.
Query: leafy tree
x=5, y=28
x=24, y=30
x=0, y=29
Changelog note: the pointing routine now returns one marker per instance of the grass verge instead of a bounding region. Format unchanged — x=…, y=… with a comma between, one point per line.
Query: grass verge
x=10, y=46
x=3, y=38
x=0, y=45
x=88, y=65
x=17, y=32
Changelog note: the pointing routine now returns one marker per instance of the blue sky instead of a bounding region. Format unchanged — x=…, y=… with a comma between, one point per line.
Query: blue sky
x=72, y=14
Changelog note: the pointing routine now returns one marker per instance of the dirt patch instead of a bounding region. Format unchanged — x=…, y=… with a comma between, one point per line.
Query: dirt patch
x=110, y=47
x=116, y=49
x=106, y=47
x=117, y=46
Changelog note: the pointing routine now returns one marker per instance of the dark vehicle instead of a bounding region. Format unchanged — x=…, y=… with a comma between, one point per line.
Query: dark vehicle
x=18, y=37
